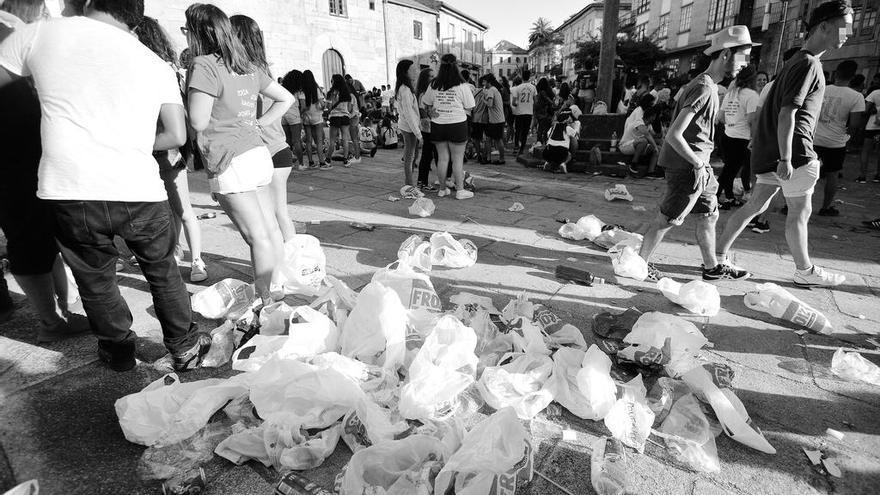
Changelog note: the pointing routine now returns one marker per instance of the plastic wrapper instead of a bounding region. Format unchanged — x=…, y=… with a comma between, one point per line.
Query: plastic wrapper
x=415, y=251
x=370, y=424
x=629, y=419
x=222, y=346
x=696, y=296
x=422, y=207
x=309, y=333
x=281, y=446
x=304, y=266
x=852, y=366
x=630, y=265
x=452, y=253
x=228, y=298
x=609, y=329
x=495, y=454
x=658, y=339
x=399, y=467
x=563, y=382
x=689, y=436
x=375, y=331
x=618, y=192
x=169, y=461
x=275, y=318
x=778, y=302
x=663, y=395
x=519, y=384
x=557, y=332
x=413, y=286
x=613, y=237
x=587, y=227
x=377, y=382
x=595, y=384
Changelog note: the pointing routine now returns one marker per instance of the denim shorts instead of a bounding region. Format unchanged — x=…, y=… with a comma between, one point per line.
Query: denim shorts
x=682, y=199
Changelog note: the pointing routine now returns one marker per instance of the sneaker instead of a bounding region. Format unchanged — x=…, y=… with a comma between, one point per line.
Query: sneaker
x=373, y=152
x=301, y=167
x=632, y=171
x=752, y=223
x=874, y=224
x=346, y=162
x=761, y=227
x=312, y=165
x=355, y=160
x=817, y=277
x=861, y=180
x=464, y=194
x=326, y=166
x=561, y=170
x=120, y=265
x=411, y=192
x=730, y=203
x=829, y=212
x=654, y=275
x=75, y=325
x=119, y=356
x=725, y=271
x=191, y=358
x=444, y=192
x=426, y=187
x=198, y=273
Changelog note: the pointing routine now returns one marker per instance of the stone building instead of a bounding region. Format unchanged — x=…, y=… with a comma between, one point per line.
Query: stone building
x=584, y=25
x=506, y=60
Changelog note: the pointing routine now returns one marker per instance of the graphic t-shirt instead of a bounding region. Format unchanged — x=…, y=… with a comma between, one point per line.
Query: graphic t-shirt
x=366, y=135
x=800, y=84
x=873, y=120
x=838, y=103
x=634, y=120
x=738, y=104
x=522, y=98
x=701, y=94
x=494, y=105
x=480, y=113
x=100, y=92
x=451, y=104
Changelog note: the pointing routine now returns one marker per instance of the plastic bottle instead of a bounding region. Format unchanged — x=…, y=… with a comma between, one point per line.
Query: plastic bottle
x=577, y=275
x=770, y=298
x=228, y=298
x=608, y=467
x=614, y=141
x=294, y=484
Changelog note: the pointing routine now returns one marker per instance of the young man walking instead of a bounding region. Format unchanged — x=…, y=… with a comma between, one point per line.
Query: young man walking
x=522, y=102
x=690, y=184
x=101, y=91
x=783, y=154
x=841, y=116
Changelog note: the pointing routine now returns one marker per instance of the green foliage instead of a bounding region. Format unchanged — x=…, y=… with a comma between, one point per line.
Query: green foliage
x=637, y=55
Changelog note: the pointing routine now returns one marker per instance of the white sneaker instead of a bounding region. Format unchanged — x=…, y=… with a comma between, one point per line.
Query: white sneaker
x=463, y=194
x=443, y=192
x=355, y=160
x=198, y=273
x=817, y=277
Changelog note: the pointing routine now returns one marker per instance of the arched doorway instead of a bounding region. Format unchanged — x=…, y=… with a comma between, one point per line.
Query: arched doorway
x=331, y=63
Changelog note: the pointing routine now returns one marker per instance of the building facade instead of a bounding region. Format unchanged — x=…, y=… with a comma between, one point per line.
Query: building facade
x=365, y=38
x=506, y=60
x=584, y=25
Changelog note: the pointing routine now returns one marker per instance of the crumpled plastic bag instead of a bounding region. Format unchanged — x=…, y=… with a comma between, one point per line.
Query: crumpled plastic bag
x=852, y=366
x=614, y=237
x=618, y=192
x=587, y=227
x=658, y=339
x=169, y=461
x=413, y=286
x=398, y=467
x=31, y=487
x=629, y=419
x=696, y=296
x=452, y=253
x=228, y=298
x=275, y=318
x=557, y=332
x=595, y=384
x=304, y=266
x=370, y=424
x=378, y=383
x=780, y=303
x=629, y=264
x=711, y=383
x=609, y=329
x=291, y=392
x=563, y=382
x=526, y=336
x=415, y=251
x=467, y=306
x=663, y=395
x=422, y=207
x=222, y=346
x=168, y=411
x=281, y=446
x=494, y=454
x=375, y=331
x=310, y=332
x=520, y=384
x=689, y=436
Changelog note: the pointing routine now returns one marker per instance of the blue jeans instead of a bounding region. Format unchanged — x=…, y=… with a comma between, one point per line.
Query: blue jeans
x=85, y=231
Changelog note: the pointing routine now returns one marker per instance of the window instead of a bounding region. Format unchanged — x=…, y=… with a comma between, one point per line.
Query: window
x=642, y=6
x=508, y=72
x=663, y=29
x=869, y=19
x=517, y=59
x=338, y=7
x=464, y=38
x=673, y=65
x=686, y=13
x=372, y=4
x=508, y=60
x=721, y=14
x=417, y=30
x=641, y=31
x=500, y=72
x=451, y=32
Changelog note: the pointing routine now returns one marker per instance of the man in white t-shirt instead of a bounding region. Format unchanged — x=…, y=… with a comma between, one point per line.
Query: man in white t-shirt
x=842, y=110
x=387, y=95
x=101, y=92
x=872, y=136
x=522, y=102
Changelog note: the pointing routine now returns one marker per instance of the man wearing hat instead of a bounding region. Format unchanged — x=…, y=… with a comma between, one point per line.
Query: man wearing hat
x=783, y=155
x=690, y=184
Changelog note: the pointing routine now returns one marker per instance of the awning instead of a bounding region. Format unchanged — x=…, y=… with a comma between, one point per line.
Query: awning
x=693, y=46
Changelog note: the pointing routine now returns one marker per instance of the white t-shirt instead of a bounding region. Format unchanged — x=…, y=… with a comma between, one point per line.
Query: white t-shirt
x=838, y=103
x=524, y=97
x=386, y=97
x=623, y=105
x=634, y=120
x=738, y=103
x=567, y=135
x=873, y=120
x=100, y=93
x=452, y=104
x=764, y=92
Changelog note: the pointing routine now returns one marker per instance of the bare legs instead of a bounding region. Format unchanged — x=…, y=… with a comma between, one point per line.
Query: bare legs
x=278, y=190
x=409, y=153
x=704, y=230
x=762, y=195
x=177, y=187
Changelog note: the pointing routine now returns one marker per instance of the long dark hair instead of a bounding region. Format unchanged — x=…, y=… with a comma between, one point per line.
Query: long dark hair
x=403, y=75
x=151, y=34
x=543, y=86
x=293, y=81
x=449, y=75
x=251, y=37
x=210, y=33
x=558, y=131
x=505, y=83
x=310, y=88
x=492, y=81
x=340, y=87
x=423, y=82
x=564, y=91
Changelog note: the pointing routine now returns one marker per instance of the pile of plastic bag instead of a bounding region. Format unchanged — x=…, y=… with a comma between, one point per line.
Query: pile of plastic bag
x=395, y=375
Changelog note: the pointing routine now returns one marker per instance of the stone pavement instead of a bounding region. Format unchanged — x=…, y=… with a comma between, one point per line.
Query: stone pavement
x=57, y=421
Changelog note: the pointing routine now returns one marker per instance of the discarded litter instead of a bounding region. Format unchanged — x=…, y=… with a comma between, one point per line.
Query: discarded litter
x=852, y=366
x=814, y=456
x=608, y=467
x=516, y=207
x=228, y=298
x=422, y=207
x=778, y=302
x=450, y=252
x=696, y=296
x=832, y=468
x=629, y=419
x=629, y=264
x=638, y=208
x=362, y=226
x=411, y=192
x=398, y=466
x=577, y=275
x=587, y=227
x=393, y=198
x=305, y=266
x=207, y=216
x=834, y=433
x=295, y=484
x=31, y=487
x=618, y=192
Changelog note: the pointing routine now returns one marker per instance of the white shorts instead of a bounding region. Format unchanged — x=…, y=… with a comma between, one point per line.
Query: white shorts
x=802, y=182
x=246, y=172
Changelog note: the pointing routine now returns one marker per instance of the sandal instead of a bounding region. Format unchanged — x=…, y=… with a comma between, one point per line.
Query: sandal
x=874, y=224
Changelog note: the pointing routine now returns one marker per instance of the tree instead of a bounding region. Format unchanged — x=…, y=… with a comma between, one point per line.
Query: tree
x=637, y=55
x=543, y=40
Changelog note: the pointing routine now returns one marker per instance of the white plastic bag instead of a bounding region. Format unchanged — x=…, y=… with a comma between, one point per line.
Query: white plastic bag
x=612, y=237
x=275, y=318
x=587, y=227
x=415, y=251
x=222, y=346
x=229, y=298
x=519, y=384
x=660, y=339
x=280, y=446
x=370, y=424
x=414, y=287
x=572, y=231
x=630, y=418
x=433, y=394
x=696, y=296
x=618, y=192
x=304, y=266
x=450, y=345
x=689, y=436
x=852, y=366
x=377, y=382
x=398, y=467
x=309, y=333
x=563, y=382
x=595, y=384
x=557, y=332
x=493, y=455
x=450, y=252
x=422, y=207
x=167, y=411
x=629, y=264
x=375, y=331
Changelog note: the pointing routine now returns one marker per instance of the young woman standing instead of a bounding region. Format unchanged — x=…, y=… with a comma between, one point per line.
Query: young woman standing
x=251, y=37
x=429, y=151
x=292, y=120
x=339, y=98
x=447, y=101
x=495, y=111
x=508, y=110
x=222, y=93
x=739, y=105
x=544, y=108
x=408, y=108
x=313, y=120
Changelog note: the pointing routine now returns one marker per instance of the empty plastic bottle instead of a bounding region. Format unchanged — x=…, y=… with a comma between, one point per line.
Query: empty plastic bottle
x=294, y=484
x=770, y=298
x=608, y=467
x=228, y=298
x=577, y=275
x=614, y=141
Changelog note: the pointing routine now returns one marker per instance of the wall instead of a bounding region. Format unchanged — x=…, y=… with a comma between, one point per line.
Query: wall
x=498, y=61
x=452, y=42
x=586, y=26
x=401, y=42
